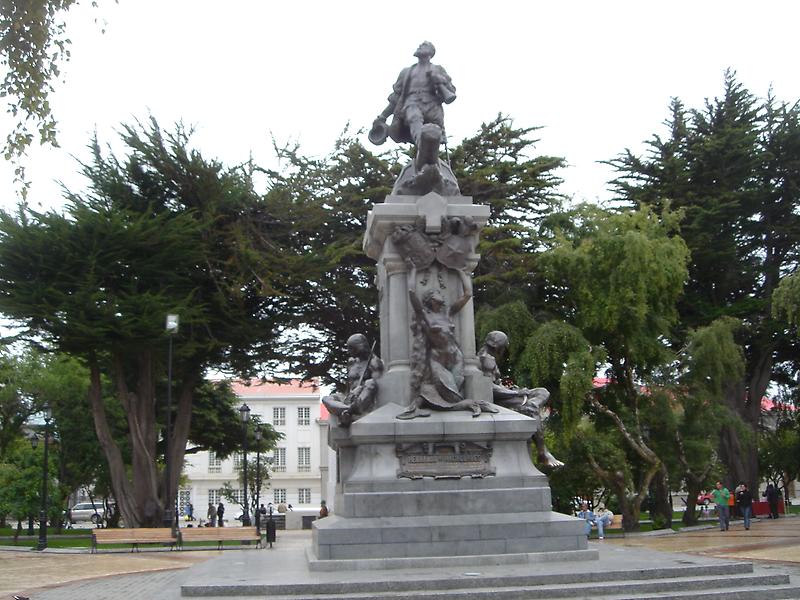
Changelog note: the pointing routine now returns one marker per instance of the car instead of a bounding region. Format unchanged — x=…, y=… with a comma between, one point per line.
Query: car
x=86, y=511
x=704, y=498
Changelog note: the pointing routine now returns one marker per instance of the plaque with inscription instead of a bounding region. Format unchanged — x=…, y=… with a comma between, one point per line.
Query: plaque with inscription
x=445, y=460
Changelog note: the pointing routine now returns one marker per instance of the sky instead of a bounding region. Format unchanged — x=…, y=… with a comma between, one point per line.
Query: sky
x=596, y=76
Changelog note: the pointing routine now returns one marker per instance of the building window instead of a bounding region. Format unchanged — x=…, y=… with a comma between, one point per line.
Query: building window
x=237, y=462
x=303, y=415
x=304, y=496
x=214, y=496
x=279, y=495
x=303, y=460
x=214, y=463
x=278, y=416
x=238, y=496
x=279, y=459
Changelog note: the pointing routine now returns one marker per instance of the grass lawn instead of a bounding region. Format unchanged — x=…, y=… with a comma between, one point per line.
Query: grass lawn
x=10, y=531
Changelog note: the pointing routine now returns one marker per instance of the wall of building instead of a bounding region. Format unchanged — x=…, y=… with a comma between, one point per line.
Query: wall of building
x=292, y=409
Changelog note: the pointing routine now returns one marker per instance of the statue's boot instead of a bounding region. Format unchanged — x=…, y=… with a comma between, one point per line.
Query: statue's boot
x=428, y=142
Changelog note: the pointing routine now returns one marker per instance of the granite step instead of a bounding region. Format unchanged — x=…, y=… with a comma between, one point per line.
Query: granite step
x=738, y=587
x=635, y=583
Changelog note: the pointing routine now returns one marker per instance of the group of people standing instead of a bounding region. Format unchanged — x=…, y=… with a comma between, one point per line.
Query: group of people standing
x=216, y=515
x=742, y=500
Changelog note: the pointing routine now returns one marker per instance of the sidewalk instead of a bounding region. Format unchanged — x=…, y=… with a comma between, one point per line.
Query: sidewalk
x=59, y=576
x=774, y=541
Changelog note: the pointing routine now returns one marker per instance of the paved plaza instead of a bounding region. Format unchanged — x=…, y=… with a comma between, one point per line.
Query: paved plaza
x=59, y=575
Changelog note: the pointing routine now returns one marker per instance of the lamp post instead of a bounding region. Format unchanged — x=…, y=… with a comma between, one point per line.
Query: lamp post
x=43, y=511
x=244, y=412
x=171, y=506
x=258, y=436
x=34, y=444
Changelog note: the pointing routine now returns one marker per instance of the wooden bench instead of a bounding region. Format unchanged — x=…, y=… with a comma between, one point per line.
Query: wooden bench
x=134, y=536
x=220, y=535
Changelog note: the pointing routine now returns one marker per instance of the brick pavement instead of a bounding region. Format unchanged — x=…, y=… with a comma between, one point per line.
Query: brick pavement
x=30, y=573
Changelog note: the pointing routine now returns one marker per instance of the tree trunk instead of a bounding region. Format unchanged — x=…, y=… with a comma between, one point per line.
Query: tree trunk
x=141, y=496
x=180, y=429
x=744, y=398
x=662, y=507
x=116, y=466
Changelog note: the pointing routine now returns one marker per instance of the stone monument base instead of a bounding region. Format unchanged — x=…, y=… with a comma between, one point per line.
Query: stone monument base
x=441, y=486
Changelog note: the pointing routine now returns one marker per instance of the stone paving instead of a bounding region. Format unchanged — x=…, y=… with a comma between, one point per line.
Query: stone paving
x=159, y=575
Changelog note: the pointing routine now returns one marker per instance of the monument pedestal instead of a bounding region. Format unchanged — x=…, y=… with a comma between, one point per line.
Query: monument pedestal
x=442, y=486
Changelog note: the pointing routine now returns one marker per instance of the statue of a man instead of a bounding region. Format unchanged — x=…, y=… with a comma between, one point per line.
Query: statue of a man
x=417, y=98
x=522, y=400
x=363, y=368
x=415, y=105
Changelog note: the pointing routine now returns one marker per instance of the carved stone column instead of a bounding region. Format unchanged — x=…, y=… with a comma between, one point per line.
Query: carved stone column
x=395, y=309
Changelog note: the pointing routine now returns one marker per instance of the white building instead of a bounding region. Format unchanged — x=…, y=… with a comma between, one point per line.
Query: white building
x=299, y=470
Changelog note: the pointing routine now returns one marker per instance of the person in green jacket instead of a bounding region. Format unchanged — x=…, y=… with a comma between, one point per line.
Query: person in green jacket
x=721, y=495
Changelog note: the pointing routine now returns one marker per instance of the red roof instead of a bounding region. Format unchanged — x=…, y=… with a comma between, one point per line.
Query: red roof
x=257, y=388
x=768, y=405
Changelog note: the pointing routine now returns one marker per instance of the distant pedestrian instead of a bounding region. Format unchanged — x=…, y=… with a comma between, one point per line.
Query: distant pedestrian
x=220, y=515
x=212, y=514
x=189, y=510
x=772, y=495
x=721, y=496
x=745, y=501
x=323, y=510
x=282, y=507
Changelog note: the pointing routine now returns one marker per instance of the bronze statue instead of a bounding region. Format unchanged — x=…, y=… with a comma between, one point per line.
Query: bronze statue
x=363, y=368
x=415, y=106
x=437, y=360
x=526, y=401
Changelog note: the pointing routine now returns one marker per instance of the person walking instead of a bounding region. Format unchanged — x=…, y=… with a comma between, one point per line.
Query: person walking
x=189, y=510
x=772, y=495
x=220, y=515
x=745, y=501
x=212, y=514
x=721, y=496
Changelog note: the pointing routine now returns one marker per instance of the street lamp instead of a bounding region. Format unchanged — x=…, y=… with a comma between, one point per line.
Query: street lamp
x=244, y=412
x=43, y=511
x=170, y=505
x=258, y=436
x=34, y=439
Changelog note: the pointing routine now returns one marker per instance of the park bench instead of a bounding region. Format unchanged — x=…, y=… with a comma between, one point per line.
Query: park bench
x=220, y=535
x=134, y=536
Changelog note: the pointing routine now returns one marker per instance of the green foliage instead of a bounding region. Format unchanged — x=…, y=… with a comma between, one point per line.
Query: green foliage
x=160, y=231
x=320, y=208
x=558, y=357
x=732, y=169
x=21, y=482
x=17, y=400
x=497, y=167
x=779, y=449
x=713, y=358
x=786, y=300
x=33, y=45
x=512, y=317
x=622, y=282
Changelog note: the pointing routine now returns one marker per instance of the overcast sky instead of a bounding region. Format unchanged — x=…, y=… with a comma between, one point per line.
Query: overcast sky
x=597, y=76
